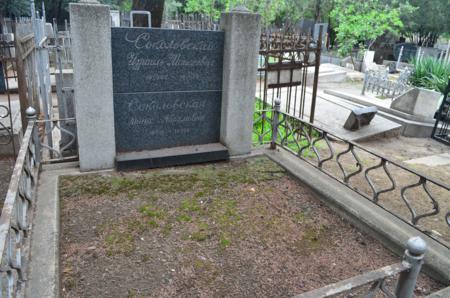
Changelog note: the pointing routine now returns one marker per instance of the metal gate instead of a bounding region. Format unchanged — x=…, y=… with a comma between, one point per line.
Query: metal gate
x=6, y=118
x=441, y=130
x=288, y=64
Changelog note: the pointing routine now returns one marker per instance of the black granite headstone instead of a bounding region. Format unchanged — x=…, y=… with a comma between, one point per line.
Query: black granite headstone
x=167, y=87
x=360, y=117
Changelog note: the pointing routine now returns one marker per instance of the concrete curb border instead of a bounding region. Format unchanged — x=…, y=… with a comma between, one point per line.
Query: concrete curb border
x=44, y=271
x=372, y=219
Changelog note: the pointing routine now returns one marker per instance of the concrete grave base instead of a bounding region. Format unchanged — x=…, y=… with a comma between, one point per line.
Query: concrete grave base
x=167, y=157
x=419, y=102
x=391, y=231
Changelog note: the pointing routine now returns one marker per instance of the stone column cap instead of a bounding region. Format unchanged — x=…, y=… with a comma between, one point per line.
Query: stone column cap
x=241, y=8
x=89, y=1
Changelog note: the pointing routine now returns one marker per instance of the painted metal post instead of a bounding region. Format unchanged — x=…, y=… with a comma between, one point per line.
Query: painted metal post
x=399, y=58
x=316, y=75
x=275, y=121
x=414, y=254
x=32, y=117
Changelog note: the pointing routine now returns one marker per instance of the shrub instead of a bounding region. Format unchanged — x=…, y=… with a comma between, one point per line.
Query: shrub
x=430, y=73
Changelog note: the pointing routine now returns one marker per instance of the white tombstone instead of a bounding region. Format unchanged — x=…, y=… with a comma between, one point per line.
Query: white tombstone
x=115, y=18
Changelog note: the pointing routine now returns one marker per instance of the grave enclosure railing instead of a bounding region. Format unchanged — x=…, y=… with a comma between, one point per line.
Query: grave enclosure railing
x=191, y=22
x=378, y=82
x=288, y=63
x=15, y=219
x=375, y=282
x=413, y=197
x=441, y=129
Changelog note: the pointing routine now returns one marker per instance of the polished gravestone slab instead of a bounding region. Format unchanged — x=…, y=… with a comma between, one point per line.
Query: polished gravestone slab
x=159, y=120
x=167, y=93
x=152, y=60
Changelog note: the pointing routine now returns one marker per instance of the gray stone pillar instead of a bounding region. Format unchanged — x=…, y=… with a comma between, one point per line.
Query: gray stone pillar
x=242, y=32
x=92, y=82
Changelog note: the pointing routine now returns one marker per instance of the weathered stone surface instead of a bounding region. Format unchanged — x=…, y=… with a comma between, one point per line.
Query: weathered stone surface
x=419, y=102
x=360, y=117
x=167, y=87
x=152, y=60
x=166, y=119
x=92, y=82
x=242, y=31
x=171, y=156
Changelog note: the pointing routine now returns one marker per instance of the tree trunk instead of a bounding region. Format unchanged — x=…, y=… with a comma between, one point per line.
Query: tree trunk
x=317, y=12
x=156, y=9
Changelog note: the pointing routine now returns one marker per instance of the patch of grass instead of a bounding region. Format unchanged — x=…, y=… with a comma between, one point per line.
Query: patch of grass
x=202, y=232
x=97, y=185
x=224, y=241
x=184, y=218
x=152, y=211
x=152, y=223
x=119, y=242
x=190, y=205
x=299, y=217
x=290, y=140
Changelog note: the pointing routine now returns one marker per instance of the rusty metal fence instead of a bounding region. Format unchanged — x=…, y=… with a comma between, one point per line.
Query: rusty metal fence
x=375, y=283
x=415, y=198
x=15, y=219
x=289, y=63
x=441, y=129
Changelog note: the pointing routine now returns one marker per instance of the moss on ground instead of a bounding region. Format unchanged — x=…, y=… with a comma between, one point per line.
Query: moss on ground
x=208, y=210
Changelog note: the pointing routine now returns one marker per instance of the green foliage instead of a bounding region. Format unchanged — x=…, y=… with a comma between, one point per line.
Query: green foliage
x=171, y=7
x=361, y=22
x=270, y=11
x=14, y=8
x=290, y=142
x=427, y=22
x=430, y=73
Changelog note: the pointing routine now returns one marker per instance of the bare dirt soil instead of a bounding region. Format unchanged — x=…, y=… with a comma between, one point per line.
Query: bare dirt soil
x=399, y=150
x=6, y=168
x=234, y=229
x=403, y=149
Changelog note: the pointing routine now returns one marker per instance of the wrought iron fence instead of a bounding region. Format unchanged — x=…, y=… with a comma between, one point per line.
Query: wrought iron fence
x=57, y=140
x=407, y=270
x=378, y=82
x=419, y=200
x=16, y=213
x=6, y=118
x=441, y=129
x=6, y=130
x=288, y=63
x=191, y=22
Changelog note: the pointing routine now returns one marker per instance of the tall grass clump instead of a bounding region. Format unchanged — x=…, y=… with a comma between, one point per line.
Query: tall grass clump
x=430, y=73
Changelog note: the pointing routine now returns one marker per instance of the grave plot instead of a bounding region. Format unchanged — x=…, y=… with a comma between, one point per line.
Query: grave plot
x=237, y=229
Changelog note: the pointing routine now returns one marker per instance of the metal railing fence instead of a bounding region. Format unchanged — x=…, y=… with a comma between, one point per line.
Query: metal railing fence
x=415, y=198
x=288, y=63
x=15, y=222
x=407, y=272
x=191, y=22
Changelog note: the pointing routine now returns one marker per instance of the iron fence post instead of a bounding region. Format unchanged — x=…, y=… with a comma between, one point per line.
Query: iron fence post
x=32, y=117
x=275, y=118
x=414, y=254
